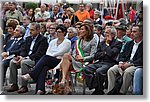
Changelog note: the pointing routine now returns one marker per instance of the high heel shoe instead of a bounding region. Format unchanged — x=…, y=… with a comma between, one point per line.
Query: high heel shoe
x=26, y=77
x=62, y=84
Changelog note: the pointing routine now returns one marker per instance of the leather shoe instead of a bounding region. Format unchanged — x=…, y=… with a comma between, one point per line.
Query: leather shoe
x=23, y=89
x=98, y=93
x=13, y=88
x=39, y=92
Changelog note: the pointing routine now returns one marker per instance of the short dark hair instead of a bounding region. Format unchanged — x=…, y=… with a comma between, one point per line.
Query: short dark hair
x=37, y=25
x=62, y=27
x=140, y=27
x=12, y=23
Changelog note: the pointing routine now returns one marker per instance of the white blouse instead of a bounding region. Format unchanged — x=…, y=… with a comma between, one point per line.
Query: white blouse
x=60, y=50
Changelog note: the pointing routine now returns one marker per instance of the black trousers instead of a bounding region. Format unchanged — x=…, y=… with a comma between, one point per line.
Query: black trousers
x=95, y=74
x=40, y=70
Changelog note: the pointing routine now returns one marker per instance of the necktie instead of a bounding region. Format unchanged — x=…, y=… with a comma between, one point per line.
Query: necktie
x=13, y=44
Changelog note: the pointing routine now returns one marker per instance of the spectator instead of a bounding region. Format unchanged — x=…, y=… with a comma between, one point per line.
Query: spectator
x=59, y=21
x=98, y=30
x=34, y=48
x=90, y=10
x=31, y=13
x=67, y=23
x=129, y=30
x=43, y=15
x=129, y=59
x=72, y=36
x=82, y=14
x=13, y=13
x=57, y=13
x=105, y=57
x=12, y=48
x=11, y=25
x=97, y=17
x=121, y=35
x=42, y=28
x=78, y=26
x=72, y=16
x=78, y=60
x=131, y=14
x=64, y=13
x=26, y=24
x=57, y=48
x=51, y=31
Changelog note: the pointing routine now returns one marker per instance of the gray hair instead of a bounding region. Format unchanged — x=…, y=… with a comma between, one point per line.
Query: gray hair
x=68, y=20
x=89, y=4
x=22, y=30
x=113, y=30
x=73, y=30
x=59, y=21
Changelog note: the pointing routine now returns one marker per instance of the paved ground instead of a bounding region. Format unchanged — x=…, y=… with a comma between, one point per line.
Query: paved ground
x=78, y=89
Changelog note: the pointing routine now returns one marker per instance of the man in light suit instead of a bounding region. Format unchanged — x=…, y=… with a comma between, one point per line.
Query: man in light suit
x=130, y=59
x=33, y=49
x=105, y=57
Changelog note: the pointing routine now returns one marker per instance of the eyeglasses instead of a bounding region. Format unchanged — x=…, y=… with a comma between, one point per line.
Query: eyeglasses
x=59, y=31
x=52, y=28
x=69, y=32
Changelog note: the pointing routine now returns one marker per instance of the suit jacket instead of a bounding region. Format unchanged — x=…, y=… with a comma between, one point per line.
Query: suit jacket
x=16, y=49
x=39, y=48
x=108, y=53
x=126, y=54
x=88, y=48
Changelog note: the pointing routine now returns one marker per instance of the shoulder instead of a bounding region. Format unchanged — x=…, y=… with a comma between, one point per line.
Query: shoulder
x=67, y=41
x=129, y=43
x=54, y=41
x=42, y=37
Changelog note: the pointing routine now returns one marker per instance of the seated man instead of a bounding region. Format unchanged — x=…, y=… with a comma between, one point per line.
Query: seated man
x=12, y=48
x=129, y=60
x=33, y=49
x=107, y=52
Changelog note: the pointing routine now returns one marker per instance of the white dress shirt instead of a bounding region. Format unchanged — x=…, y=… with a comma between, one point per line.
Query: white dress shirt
x=135, y=47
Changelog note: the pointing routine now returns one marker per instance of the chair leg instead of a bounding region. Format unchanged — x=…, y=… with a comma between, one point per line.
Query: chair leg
x=75, y=80
x=84, y=86
x=73, y=86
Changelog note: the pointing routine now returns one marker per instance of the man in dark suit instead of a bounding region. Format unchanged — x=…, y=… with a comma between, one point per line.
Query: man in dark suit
x=105, y=57
x=12, y=48
x=130, y=59
x=33, y=49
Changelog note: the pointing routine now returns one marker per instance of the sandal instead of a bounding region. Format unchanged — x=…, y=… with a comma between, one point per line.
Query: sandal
x=62, y=84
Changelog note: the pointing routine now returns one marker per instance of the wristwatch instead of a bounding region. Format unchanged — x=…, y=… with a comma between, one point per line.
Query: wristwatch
x=132, y=64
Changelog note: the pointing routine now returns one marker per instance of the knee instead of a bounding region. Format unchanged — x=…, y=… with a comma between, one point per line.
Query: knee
x=67, y=57
x=22, y=62
x=11, y=63
x=86, y=70
x=127, y=72
x=113, y=70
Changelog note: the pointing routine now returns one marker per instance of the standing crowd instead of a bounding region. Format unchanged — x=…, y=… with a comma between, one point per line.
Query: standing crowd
x=58, y=37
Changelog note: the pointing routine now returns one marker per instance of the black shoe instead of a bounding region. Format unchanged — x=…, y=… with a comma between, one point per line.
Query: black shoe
x=23, y=89
x=13, y=88
x=98, y=92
